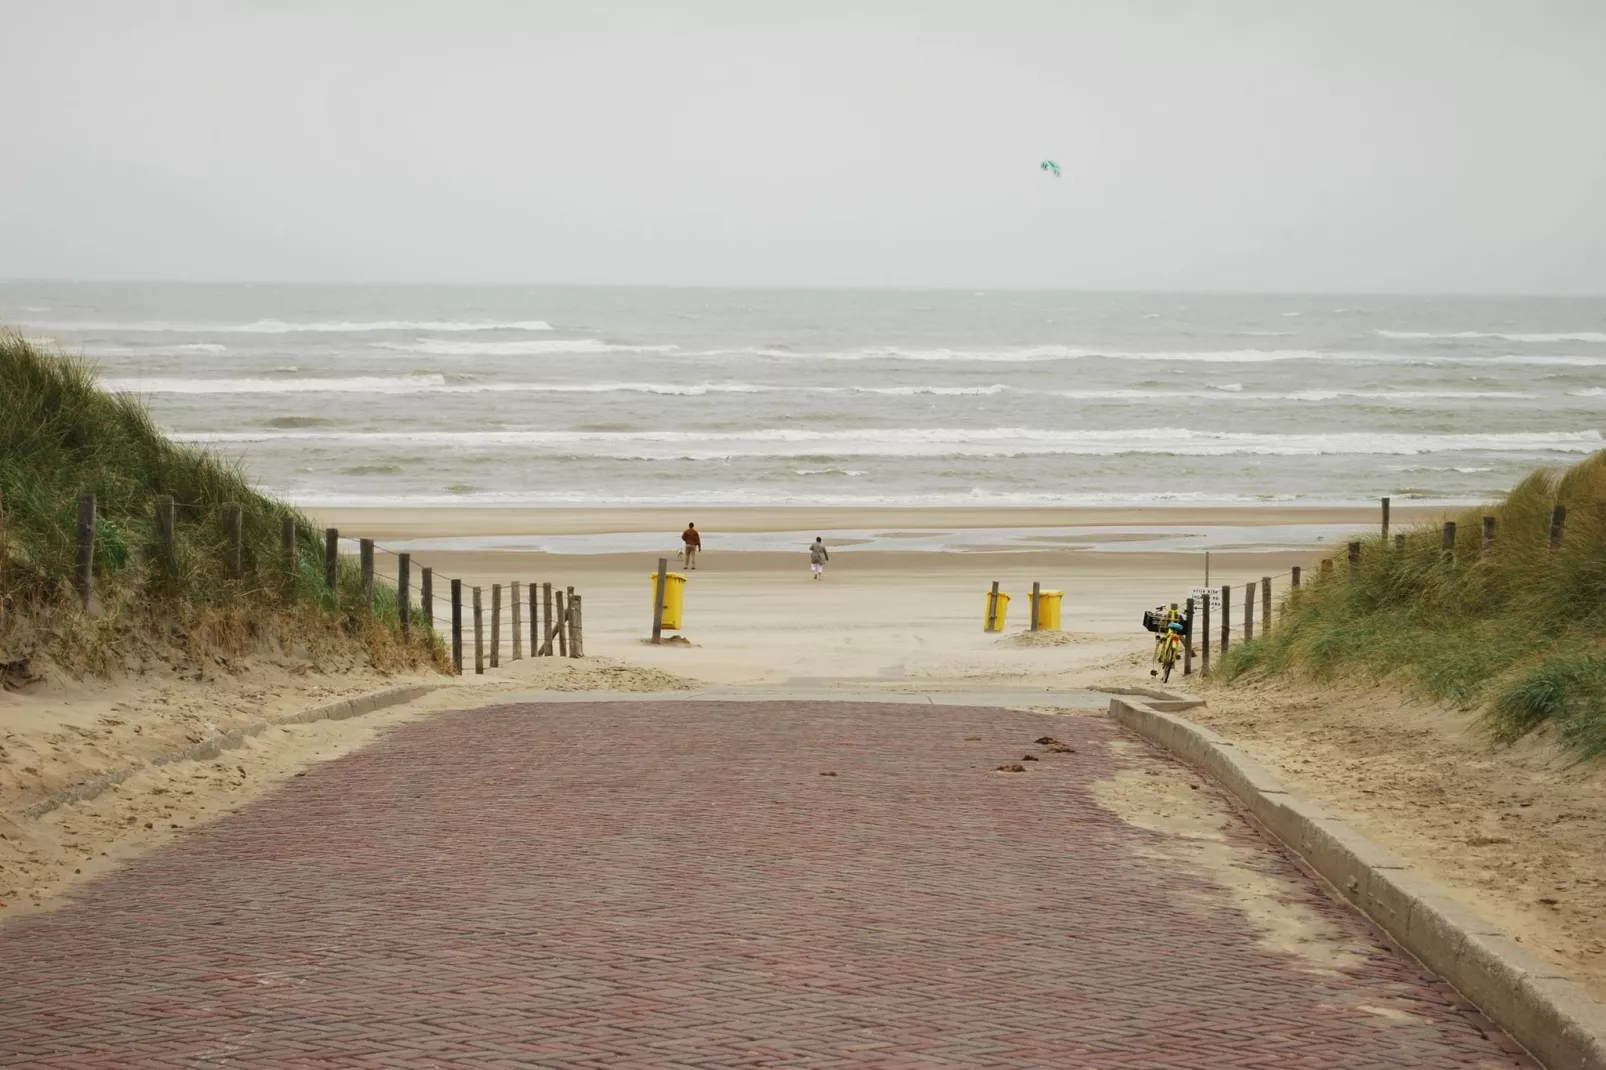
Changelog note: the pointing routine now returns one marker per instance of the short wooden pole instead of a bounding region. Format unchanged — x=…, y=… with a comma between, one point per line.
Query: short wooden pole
x=1187, y=641
x=426, y=596
x=1448, y=542
x=1293, y=576
x=576, y=628
x=287, y=552
x=535, y=620
x=1488, y=535
x=1354, y=555
x=1385, y=520
x=1226, y=617
x=1327, y=567
x=1399, y=542
x=1249, y=611
x=365, y=555
x=568, y=623
x=517, y=648
x=992, y=608
x=658, y=601
x=1037, y=589
x=496, y=625
x=233, y=541
x=457, y=626
x=560, y=625
x=1558, y=526
x=1265, y=605
x=479, y=634
x=1204, y=635
x=84, y=575
x=404, y=594
x=166, y=541
x=546, y=618
x=331, y=559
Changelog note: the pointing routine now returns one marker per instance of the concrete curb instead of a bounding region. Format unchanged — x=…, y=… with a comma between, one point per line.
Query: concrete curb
x=212, y=746
x=1531, y=1000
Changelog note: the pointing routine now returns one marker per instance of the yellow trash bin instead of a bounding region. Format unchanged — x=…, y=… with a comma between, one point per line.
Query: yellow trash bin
x=1048, y=610
x=674, y=598
x=993, y=618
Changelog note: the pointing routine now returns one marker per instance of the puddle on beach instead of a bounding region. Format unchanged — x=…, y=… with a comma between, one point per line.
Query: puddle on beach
x=1145, y=538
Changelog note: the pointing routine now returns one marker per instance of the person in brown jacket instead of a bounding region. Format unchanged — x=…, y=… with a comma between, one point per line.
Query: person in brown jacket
x=694, y=542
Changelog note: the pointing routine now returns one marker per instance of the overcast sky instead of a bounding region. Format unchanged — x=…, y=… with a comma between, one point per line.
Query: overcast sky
x=1400, y=145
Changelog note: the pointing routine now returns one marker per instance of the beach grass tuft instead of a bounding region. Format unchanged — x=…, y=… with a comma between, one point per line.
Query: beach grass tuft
x=61, y=436
x=1517, y=631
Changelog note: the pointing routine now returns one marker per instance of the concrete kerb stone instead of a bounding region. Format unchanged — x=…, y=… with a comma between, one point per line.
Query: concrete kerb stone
x=212, y=746
x=1539, y=1008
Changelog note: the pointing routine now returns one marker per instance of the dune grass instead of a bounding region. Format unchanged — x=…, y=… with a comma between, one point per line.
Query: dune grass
x=1518, y=632
x=61, y=437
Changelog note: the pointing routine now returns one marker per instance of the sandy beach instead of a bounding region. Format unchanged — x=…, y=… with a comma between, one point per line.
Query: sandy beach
x=883, y=613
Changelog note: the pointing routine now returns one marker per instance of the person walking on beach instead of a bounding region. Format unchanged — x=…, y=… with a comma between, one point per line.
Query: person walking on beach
x=694, y=542
x=818, y=557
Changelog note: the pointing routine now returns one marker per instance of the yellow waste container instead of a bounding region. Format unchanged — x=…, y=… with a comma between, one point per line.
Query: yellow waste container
x=1048, y=610
x=993, y=619
x=674, y=598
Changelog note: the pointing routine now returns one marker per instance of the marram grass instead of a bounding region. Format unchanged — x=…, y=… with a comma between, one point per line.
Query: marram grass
x=62, y=436
x=1518, y=633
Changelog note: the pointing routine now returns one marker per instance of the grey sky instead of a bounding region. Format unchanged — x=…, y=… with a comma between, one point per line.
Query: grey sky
x=1401, y=145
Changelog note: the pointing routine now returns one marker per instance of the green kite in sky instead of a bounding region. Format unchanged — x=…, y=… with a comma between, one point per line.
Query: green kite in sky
x=1050, y=165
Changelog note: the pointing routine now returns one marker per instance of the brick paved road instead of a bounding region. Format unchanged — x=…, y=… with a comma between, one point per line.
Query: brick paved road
x=676, y=885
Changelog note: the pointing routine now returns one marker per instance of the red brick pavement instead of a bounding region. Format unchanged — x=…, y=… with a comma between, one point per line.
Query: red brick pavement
x=676, y=885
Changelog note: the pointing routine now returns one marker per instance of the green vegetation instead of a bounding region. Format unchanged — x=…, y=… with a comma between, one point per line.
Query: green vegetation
x=1518, y=632
x=61, y=437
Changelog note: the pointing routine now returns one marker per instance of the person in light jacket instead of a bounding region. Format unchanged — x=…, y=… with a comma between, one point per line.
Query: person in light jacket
x=818, y=557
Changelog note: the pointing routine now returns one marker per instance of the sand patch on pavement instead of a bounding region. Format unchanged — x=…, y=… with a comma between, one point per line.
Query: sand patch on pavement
x=1167, y=799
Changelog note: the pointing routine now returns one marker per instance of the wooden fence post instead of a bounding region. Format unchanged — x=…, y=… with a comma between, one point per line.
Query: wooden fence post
x=577, y=631
x=562, y=625
x=658, y=601
x=992, y=608
x=1327, y=567
x=233, y=541
x=479, y=634
x=426, y=597
x=287, y=550
x=1204, y=632
x=84, y=577
x=1293, y=576
x=1399, y=543
x=496, y=625
x=1226, y=617
x=1037, y=589
x=1187, y=641
x=457, y=626
x=331, y=559
x=1448, y=542
x=1488, y=535
x=1265, y=605
x=1385, y=520
x=1354, y=555
x=404, y=594
x=535, y=621
x=546, y=615
x=1249, y=611
x=513, y=602
x=365, y=555
x=1558, y=526
x=166, y=541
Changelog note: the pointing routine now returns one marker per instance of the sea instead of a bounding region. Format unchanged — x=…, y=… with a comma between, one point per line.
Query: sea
x=529, y=396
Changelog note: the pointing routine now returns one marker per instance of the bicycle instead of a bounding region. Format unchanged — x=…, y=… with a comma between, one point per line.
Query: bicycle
x=1166, y=652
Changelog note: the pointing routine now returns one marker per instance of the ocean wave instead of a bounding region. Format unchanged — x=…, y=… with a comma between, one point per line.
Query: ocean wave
x=437, y=348
x=1592, y=392
x=1505, y=336
x=854, y=472
x=411, y=384
x=934, y=442
x=274, y=326
x=1043, y=353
